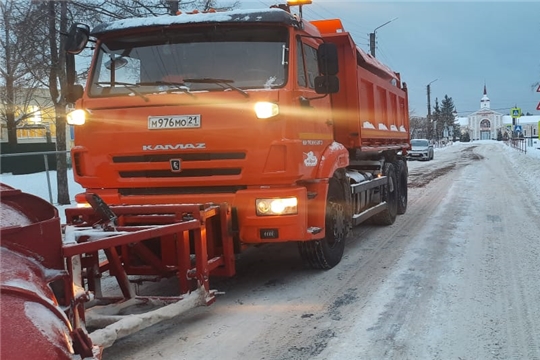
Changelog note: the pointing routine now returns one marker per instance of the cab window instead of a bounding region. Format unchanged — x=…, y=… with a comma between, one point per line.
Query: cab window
x=308, y=67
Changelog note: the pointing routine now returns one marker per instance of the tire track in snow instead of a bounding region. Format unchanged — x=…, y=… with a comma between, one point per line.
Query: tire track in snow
x=374, y=251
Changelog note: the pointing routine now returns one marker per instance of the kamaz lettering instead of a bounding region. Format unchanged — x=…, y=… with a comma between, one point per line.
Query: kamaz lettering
x=174, y=147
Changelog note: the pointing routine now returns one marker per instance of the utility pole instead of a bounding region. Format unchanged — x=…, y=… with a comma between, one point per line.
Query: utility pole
x=429, y=107
x=372, y=40
x=372, y=44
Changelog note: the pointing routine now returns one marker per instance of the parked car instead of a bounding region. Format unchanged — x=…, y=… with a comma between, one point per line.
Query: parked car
x=421, y=149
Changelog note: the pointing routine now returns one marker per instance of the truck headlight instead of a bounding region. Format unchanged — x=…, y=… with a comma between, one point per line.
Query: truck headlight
x=76, y=117
x=284, y=206
x=265, y=110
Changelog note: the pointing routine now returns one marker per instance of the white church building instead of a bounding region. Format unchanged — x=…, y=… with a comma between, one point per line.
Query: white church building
x=485, y=123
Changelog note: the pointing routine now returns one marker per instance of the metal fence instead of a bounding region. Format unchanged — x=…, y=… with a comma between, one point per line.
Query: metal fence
x=46, y=163
x=518, y=144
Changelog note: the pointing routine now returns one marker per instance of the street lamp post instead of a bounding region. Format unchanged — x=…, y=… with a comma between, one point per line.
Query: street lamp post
x=455, y=114
x=372, y=37
x=429, y=107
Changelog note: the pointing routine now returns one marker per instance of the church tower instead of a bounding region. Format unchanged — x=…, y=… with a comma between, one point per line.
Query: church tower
x=485, y=123
x=484, y=103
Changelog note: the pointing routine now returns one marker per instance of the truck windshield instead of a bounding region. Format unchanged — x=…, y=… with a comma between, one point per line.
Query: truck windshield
x=159, y=61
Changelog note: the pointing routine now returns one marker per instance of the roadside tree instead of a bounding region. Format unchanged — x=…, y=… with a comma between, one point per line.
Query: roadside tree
x=17, y=66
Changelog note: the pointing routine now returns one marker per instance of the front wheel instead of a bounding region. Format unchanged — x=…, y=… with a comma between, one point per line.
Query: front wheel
x=327, y=252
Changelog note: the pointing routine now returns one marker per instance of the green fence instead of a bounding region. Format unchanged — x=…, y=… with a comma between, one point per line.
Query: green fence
x=32, y=162
x=21, y=158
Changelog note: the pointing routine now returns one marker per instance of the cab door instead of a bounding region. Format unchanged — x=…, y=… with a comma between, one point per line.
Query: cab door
x=315, y=128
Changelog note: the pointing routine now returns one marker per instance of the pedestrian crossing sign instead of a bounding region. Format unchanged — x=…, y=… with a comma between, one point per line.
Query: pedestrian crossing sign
x=515, y=112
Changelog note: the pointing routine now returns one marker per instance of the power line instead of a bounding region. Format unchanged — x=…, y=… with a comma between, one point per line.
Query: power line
x=349, y=25
x=311, y=14
x=384, y=56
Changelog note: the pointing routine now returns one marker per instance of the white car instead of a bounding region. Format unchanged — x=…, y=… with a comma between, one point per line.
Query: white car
x=421, y=149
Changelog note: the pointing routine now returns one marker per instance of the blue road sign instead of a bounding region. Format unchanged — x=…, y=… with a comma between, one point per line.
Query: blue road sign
x=518, y=128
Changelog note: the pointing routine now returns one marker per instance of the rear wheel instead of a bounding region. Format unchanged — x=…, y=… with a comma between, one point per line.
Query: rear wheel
x=402, y=189
x=388, y=216
x=327, y=252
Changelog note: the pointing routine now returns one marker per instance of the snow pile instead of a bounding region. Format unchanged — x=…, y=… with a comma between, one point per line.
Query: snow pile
x=526, y=166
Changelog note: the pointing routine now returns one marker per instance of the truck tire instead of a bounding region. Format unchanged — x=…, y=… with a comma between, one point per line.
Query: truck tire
x=402, y=180
x=327, y=253
x=390, y=195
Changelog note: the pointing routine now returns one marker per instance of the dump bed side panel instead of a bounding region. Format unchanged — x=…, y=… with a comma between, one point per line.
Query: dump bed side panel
x=370, y=110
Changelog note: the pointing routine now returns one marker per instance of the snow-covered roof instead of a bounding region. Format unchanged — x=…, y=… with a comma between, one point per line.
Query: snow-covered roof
x=485, y=112
x=234, y=16
x=531, y=119
x=506, y=119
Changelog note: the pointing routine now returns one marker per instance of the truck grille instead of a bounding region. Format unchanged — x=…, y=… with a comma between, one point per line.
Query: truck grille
x=181, y=190
x=181, y=174
x=186, y=172
x=184, y=157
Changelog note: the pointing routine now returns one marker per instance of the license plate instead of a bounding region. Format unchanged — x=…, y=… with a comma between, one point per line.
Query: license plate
x=174, y=122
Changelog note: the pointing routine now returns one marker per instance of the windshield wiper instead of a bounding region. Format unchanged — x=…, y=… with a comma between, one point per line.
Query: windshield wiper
x=178, y=86
x=129, y=86
x=224, y=83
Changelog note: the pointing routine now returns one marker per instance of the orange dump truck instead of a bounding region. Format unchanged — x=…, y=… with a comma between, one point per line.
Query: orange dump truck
x=286, y=121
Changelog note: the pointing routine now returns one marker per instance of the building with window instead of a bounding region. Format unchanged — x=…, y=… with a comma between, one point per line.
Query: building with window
x=485, y=123
x=35, y=115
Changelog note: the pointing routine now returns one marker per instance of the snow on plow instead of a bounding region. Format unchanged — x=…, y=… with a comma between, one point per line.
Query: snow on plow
x=52, y=283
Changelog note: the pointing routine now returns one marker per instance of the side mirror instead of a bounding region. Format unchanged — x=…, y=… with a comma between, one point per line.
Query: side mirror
x=75, y=93
x=328, y=59
x=77, y=38
x=328, y=84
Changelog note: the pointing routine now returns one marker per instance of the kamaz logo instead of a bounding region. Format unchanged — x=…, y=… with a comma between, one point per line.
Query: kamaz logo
x=174, y=147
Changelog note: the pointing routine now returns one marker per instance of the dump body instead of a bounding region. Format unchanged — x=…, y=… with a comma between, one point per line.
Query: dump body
x=370, y=112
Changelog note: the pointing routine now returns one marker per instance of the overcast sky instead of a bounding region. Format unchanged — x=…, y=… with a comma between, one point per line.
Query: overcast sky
x=460, y=43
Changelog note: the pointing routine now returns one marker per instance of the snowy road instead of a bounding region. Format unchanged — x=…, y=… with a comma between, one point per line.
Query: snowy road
x=456, y=277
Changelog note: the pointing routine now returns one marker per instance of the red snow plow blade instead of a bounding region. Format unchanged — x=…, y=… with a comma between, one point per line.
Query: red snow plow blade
x=34, y=326
x=87, y=281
